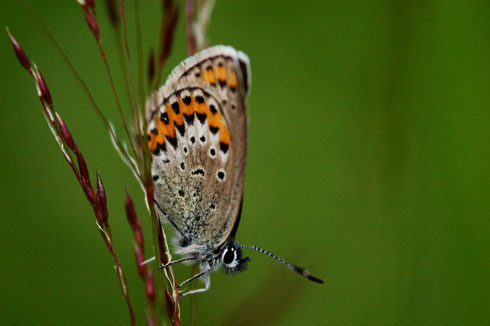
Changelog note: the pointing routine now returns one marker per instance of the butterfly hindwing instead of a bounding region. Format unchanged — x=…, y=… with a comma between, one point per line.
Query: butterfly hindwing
x=197, y=132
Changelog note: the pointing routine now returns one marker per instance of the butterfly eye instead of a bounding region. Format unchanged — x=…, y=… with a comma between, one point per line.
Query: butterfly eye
x=229, y=256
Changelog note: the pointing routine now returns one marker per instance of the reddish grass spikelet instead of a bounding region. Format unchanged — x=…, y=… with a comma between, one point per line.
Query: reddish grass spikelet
x=133, y=220
x=19, y=52
x=169, y=303
x=65, y=134
x=46, y=95
x=102, y=212
x=82, y=165
x=91, y=22
x=172, y=309
x=150, y=288
x=139, y=249
x=140, y=258
x=91, y=5
x=85, y=178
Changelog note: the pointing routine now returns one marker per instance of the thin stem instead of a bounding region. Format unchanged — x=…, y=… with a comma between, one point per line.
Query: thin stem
x=120, y=54
x=139, y=47
x=106, y=235
x=131, y=77
x=114, y=92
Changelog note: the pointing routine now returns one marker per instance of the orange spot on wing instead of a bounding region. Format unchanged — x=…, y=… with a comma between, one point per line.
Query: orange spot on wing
x=186, y=109
x=177, y=117
x=160, y=139
x=232, y=79
x=214, y=119
x=224, y=134
x=209, y=75
x=167, y=130
x=152, y=144
x=221, y=73
x=200, y=107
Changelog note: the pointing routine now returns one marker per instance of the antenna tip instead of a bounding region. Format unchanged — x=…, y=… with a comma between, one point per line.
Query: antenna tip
x=315, y=279
x=306, y=274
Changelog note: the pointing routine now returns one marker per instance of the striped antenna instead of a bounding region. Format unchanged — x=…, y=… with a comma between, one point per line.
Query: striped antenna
x=302, y=271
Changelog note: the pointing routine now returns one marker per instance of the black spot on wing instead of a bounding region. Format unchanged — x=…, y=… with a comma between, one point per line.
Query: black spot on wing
x=221, y=175
x=160, y=147
x=223, y=147
x=180, y=128
x=201, y=117
x=172, y=140
x=189, y=118
x=187, y=100
x=175, y=107
x=199, y=99
x=198, y=172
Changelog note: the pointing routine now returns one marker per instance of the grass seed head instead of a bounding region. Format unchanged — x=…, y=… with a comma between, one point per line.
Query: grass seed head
x=19, y=52
x=101, y=202
x=65, y=133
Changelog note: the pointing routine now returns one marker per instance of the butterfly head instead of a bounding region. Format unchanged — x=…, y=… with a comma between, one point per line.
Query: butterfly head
x=231, y=258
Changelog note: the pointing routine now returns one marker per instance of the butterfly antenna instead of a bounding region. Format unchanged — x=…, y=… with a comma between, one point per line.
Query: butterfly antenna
x=302, y=271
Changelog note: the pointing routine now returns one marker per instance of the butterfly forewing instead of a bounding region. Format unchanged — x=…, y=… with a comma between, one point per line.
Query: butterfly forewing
x=197, y=132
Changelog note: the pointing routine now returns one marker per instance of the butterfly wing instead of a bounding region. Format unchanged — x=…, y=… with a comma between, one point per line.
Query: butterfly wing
x=197, y=132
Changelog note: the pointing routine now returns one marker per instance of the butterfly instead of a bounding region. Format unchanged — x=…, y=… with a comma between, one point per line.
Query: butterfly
x=197, y=134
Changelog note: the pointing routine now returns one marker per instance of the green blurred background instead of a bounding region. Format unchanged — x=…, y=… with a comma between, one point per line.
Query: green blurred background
x=369, y=163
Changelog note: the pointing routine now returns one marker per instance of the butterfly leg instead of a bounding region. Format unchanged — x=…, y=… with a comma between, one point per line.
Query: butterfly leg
x=205, y=278
x=178, y=261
